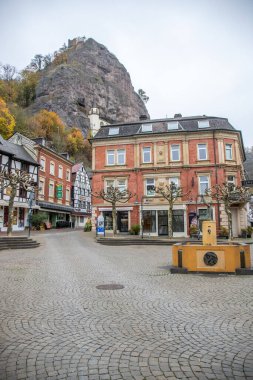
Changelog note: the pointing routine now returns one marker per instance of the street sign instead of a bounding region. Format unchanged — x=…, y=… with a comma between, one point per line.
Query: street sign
x=247, y=182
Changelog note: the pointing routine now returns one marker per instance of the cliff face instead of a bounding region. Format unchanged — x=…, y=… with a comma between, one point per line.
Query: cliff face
x=90, y=77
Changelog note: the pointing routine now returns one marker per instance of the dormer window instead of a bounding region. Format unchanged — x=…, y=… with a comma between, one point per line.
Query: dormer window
x=203, y=124
x=147, y=128
x=173, y=125
x=113, y=131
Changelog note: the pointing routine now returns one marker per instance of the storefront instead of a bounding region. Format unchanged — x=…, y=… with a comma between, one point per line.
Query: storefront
x=155, y=220
x=123, y=218
x=56, y=213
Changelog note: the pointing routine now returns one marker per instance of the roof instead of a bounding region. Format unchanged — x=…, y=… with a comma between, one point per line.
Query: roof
x=186, y=124
x=77, y=167
x=18, y=152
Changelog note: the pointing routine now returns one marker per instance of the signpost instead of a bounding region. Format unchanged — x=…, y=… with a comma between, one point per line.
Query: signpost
x=101, y=225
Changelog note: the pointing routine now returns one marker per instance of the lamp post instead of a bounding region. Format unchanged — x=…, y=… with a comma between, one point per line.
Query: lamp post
x=30, y=204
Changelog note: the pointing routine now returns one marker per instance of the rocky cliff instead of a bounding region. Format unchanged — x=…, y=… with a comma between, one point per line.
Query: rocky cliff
x=90, y=76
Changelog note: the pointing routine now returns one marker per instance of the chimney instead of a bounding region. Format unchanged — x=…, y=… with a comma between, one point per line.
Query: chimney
x=143, y=117
x=177, y=115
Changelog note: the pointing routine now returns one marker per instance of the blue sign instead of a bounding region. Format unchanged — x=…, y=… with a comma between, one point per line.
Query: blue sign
x=100, y=225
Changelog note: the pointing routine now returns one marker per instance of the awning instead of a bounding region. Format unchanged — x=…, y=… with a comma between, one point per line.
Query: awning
x=56, y=207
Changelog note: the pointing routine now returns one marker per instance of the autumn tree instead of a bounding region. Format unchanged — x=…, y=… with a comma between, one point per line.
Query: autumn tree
x=114, y=196
x=26, y=87
x=230, y=195
x=14, y=179
x=171, y=193
x=7, y=121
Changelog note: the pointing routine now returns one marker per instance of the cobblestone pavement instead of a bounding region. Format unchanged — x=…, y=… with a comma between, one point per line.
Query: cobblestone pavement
x=55, y=323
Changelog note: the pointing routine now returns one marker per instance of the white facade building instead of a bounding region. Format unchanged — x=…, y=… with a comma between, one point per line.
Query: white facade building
x=81, y=195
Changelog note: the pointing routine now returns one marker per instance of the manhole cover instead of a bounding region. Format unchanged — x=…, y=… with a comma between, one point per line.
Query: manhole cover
x=110, y=287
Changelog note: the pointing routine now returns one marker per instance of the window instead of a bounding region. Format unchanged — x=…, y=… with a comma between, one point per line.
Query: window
x=146, y=128
x=204, y=214
x=60, y=171
x=51, y=189
x=203, y=124
x=68, y=175
x=150, y=186
x=202, y=152
x=41, y=186
x=175, y=152
x=67, y=194
x=109, y=183
x=178, y=220
x=146, y=154
x=113, y=131
x=203, y=184
x=173, y=125
x=110, y=157
x=228, y=148
x=121, y=184
x=174, y=180
x=52, y=168
x=231, y=179
x=121, y=156
x=42, y=164
x=149, y=221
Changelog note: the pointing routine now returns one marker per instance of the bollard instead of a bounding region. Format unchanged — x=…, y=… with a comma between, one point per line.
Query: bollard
x=180, y=258
x=242, y=259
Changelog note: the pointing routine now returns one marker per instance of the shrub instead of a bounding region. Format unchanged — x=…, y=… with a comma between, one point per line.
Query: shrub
x=38, y=219
x=249, y=231
x=193, y=229
x=224, y=231
x=88, y=226
x=135, y=229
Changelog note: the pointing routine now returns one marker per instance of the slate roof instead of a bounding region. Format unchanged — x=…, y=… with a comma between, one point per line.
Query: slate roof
x=186, y=124
x=18, y=152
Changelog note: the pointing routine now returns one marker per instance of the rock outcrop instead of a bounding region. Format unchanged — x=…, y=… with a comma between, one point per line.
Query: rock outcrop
x=91, y=76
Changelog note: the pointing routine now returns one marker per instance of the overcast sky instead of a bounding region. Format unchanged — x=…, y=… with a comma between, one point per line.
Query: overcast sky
x=192, y=57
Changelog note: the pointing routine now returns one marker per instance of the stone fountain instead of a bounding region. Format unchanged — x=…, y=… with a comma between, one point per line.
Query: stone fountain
x=210, y=256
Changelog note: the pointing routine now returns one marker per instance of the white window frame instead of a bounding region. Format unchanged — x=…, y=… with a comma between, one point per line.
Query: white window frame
x=203, y=124
x=175, y=148
x=175, y=180
x=68, y=175
x=41, y=188
x=110, y=153
x=52, y=165
x=42, y=167
x=203, y=182
x=60, y=171
x=229, y=151
x=147, y=127
x=146, y=150
x=121, y=153
x=113, y=131
x=172, y=125
x=49, y=187
x=149, y=182
x=121, y=187
x=67, y=194
x=200, y=148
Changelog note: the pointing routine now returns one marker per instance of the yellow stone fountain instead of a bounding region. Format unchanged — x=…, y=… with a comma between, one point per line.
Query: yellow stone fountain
x=211, y=257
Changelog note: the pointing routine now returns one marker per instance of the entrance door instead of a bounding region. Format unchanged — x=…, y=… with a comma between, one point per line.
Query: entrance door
x=235, y=224
x=162, y=222
x=122, y=221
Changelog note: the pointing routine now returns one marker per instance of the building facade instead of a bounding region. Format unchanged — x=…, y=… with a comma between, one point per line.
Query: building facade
x=15, y=157
x=195, y=153
x=81, y=195
x=54, y=179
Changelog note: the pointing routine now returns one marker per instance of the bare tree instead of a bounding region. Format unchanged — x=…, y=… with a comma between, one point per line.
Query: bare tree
x=114, y=195
x=15, y=179
x=7, y=72
x=230, y=195
x=171, y=193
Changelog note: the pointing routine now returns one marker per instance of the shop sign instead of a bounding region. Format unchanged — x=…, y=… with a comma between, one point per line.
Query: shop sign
x=59, y=191
x=101, y=225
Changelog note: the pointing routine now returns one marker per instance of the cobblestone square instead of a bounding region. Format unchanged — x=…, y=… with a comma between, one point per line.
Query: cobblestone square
x=55, y=323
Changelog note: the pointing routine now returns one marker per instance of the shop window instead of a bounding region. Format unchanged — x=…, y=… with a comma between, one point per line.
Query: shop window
x=149, y=221
x=178, y=220
x=108, y=220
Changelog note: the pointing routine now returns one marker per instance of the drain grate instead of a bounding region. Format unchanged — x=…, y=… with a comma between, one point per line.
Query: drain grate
x=110, y=287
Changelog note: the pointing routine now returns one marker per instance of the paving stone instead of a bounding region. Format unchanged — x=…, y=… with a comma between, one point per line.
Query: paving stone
x=55, y=324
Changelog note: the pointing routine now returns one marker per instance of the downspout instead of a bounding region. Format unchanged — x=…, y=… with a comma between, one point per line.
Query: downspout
x=216, y=176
